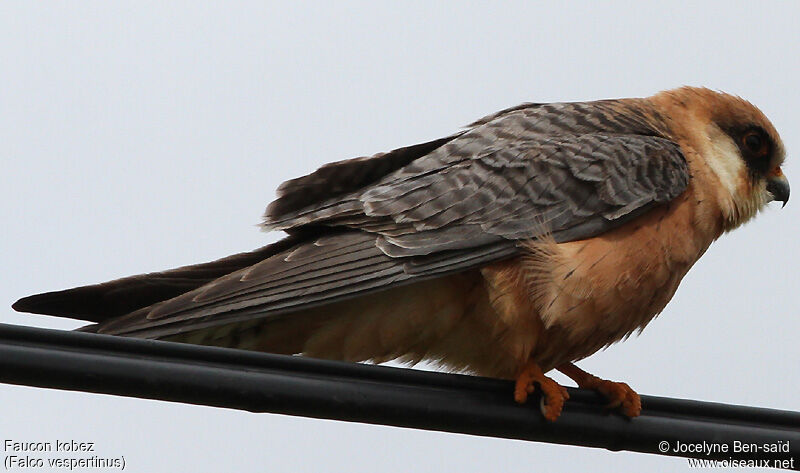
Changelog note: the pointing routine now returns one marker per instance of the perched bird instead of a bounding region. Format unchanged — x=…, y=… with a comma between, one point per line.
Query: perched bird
x=527, y=241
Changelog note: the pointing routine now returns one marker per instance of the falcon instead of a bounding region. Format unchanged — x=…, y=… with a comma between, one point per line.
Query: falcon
x=523, y=243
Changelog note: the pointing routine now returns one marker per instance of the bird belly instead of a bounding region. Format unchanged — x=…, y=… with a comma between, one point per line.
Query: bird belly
x=557, y=303
x=595, y=292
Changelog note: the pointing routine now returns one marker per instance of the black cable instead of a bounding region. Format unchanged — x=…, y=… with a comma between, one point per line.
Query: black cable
x=260, y=382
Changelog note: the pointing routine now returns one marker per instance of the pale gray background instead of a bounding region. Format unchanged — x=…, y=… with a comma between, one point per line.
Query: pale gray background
x=138, y=136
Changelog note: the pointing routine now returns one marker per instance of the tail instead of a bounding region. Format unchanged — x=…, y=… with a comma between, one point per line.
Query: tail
x=100, y=302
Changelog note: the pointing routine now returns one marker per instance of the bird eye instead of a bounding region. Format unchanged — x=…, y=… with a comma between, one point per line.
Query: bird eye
x=754, y=143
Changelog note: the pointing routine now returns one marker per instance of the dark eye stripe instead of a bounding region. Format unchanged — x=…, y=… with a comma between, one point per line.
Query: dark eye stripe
x=753, y=142
x=756, y=148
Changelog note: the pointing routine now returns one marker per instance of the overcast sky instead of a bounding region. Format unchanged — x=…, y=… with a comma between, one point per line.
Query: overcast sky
x=138, y=136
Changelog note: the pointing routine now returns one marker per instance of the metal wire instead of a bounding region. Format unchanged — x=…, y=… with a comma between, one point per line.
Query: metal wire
x=260, y=382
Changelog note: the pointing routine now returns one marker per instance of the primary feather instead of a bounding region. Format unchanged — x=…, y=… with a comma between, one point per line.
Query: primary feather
x=572, y=170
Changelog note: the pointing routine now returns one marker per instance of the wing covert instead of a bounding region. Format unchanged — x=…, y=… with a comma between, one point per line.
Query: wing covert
x=572, y=171
x=571, y=186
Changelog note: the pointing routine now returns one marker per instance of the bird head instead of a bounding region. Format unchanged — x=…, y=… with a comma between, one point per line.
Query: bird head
x=736, y=141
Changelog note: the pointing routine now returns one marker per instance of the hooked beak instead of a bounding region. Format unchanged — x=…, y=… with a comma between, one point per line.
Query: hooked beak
x=778, y=186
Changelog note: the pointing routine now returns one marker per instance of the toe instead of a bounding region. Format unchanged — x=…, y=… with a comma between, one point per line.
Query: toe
x=551, y=407
x=522, y=388
x=553, y=397
x=531, y=378
x=621, y=396
x=632, y=406
x=521, y=395
x=551, y=412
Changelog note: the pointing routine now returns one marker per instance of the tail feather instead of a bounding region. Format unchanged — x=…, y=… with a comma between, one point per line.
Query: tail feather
x=100, y=302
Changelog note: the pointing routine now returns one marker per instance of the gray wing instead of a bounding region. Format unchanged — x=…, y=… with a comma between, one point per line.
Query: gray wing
x=574, y=186
x=572, y=170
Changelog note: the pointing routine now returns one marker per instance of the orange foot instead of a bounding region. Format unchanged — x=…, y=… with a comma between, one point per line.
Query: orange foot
x=619, y=395
x=530, y=378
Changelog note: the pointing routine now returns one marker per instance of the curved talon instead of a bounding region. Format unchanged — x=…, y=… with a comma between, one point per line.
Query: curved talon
x=620, y=396
x=531, y=378
x=543, y=409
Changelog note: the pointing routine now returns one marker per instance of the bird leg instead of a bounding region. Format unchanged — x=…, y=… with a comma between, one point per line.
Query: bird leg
x=531, y=377
x=619, y=395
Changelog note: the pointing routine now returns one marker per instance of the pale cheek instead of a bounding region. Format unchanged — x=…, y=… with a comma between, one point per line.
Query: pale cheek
x=726, y=162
